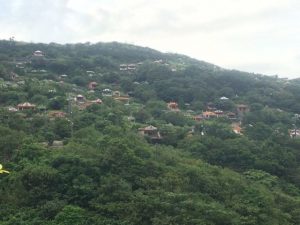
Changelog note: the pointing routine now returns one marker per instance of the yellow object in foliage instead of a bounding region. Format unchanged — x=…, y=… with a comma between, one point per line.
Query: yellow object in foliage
x=3, y=171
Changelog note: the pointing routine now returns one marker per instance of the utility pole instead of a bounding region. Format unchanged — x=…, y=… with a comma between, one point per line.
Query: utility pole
x=70, y=112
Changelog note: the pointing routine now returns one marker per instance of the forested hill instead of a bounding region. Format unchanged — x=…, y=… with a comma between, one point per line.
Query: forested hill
x=116, y=134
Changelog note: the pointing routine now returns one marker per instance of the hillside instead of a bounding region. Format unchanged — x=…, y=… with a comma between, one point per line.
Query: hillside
x=112, y=133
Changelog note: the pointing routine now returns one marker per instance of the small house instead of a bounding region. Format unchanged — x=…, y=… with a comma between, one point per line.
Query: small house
x=97, y=101
x=86, y=104
x=198, y=118
x=57, y=144
x=123, y=67
x=80, y=98
x=131, y=67
x=90, y=73
x=116, y=94
x=294, y=133
x=223, y=98
x=150, y=132
x=56, y=114
x=20, y=65
x=219, y=113
x=92, y=85
x=12, y=109
x=231, y=116
x=236, y=128
x=38, y=53
x=26, y=106
x=173, y=106
x=63, y=76
x=107, y=92
x=209, y=115
x=159, y=61
x=123, y=99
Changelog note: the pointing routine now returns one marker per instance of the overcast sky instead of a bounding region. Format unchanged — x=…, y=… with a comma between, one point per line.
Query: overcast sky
x=261, y=36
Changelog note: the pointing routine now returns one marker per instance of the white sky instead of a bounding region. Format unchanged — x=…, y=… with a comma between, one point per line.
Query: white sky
x=261, y=36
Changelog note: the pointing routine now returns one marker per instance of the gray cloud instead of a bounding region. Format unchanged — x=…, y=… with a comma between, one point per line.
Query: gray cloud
x=259, y=36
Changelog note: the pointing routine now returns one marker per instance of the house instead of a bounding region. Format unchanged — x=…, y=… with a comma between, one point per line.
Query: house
x=92, y=85
x=219, y=113
x=12, y=109
x=231, y=116
x=57, y=144
x=86, y=104
x=294, y=133
x=124, y=99
x=79, y=98
x=159, y=61
x=38, y=53
x=188, y=115
x=20, y=65
x=131, y=67
x=198, y=118
x=90, y=73
x=209, y=115
x=56, y=114
x=236, y=128
x=26, y=106
x=150, y=132
x=224, y=98
x=123, y=67
x=191, y=132
x=63, y=76
x=173, y=106
x=242, y=109
x=97, y=101
x=107, y=92
x=116, y=94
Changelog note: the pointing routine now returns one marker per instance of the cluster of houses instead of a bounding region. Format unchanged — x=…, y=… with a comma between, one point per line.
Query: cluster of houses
x=82, y=103
x=128, y=67
x=150, y=131
x=116, y=95
x=133, y=66
x=153, y=133
x=212, y=112
x=27, y=106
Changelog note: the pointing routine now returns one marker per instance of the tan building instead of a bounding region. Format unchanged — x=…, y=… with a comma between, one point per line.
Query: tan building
x=150, y=131
x=93, y=85
x=173, y=106
x=26, y=106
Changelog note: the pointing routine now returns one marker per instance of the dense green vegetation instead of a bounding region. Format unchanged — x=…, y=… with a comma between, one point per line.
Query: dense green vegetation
x=91, y=165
